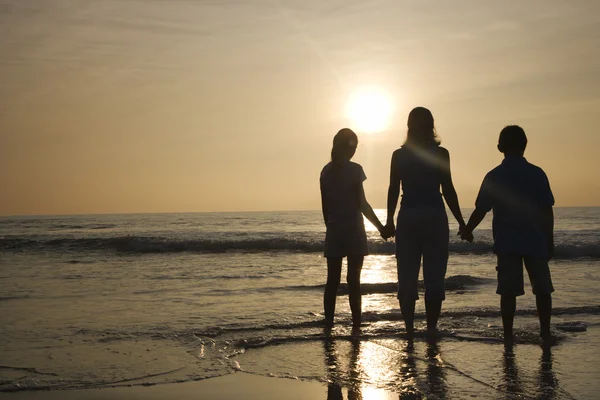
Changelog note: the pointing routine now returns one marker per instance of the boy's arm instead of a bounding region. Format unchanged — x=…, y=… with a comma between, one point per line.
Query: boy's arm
x=475, y=219
x=548, y=226
x=483, y=205
x=546, y=200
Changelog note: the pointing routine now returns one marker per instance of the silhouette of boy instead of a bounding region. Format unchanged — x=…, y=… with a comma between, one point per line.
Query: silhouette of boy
x=520, y=196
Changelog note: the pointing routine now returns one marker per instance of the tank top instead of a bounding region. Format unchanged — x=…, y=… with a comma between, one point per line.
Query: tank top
x=421, y=172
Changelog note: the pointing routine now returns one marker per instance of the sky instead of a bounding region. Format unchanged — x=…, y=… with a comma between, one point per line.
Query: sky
x=125, y=106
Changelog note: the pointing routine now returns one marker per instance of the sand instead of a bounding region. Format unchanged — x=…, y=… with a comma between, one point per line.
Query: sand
x=239, y=385
x=384, y=368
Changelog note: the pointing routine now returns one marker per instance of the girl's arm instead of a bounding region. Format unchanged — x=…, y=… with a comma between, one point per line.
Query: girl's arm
x=367, y=210
x=448, y=190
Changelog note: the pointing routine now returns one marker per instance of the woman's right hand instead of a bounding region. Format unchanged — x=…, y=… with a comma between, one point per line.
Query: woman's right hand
x=388, y=231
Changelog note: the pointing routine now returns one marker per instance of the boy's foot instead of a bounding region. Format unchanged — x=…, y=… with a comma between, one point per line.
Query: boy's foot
x=548, y=340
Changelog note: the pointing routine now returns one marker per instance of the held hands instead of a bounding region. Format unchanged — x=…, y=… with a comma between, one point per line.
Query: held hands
x=388, y=231
x=465, y=233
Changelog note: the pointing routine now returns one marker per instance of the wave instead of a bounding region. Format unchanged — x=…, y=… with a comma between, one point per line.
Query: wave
x=454, y=282
x=148, y=244
x=84, y=226
x=7, y=298
x=459, y=318
x=392, y=316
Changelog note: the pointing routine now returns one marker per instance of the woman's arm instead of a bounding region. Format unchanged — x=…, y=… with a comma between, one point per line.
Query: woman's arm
x=448, y=190
x=393, y=193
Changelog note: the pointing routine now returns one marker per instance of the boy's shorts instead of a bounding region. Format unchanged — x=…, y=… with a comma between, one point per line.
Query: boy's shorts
x=510, y=275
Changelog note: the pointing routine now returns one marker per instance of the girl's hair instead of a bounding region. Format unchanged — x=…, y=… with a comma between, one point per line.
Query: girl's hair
x=421, y=129
x=344, y=145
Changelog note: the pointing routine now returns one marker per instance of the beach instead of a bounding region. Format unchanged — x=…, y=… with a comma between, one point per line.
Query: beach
x=226, y=387
x=446, y=368
x=226, y=305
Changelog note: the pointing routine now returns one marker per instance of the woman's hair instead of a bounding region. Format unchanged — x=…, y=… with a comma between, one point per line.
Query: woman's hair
x=344, y=145
x=421, y=129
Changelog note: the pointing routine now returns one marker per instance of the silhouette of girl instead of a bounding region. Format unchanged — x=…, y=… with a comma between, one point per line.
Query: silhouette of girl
x=421, y=166
x=343, y=202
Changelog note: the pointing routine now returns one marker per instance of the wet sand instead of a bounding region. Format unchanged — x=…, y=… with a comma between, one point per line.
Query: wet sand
x=239, y=385
x=384, y=368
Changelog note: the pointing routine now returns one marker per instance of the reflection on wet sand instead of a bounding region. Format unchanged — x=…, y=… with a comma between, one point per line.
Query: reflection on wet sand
x=511, y=384
x=411, y=382
x=367, y=367
x=408, y=372
x=436, y=376
x=335, y=373
x=547, y=379
x=547, y=383
x=417, y=370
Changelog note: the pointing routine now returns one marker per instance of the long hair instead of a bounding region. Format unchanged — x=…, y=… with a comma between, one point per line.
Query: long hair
x=344, y=146
x=421, y=129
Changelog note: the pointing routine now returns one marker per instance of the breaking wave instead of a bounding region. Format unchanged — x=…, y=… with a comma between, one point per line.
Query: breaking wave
x=148, y=244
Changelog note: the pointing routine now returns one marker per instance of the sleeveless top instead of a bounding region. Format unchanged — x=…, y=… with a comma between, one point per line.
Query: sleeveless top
x=421, y=172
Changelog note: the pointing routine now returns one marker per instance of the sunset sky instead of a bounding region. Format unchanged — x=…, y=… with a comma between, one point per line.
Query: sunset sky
x=120, y=106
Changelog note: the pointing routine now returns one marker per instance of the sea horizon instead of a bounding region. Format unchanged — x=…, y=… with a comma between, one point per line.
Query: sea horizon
x=379, y=209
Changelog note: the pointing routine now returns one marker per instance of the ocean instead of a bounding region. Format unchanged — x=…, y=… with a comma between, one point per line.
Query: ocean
x=91, y=301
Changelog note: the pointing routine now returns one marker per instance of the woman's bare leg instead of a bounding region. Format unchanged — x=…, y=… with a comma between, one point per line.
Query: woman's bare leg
x=407, y=307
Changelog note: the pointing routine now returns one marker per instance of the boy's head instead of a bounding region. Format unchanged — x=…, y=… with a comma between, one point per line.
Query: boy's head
x=512, y=140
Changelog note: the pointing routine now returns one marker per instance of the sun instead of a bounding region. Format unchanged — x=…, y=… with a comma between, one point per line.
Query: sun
x=369, y=110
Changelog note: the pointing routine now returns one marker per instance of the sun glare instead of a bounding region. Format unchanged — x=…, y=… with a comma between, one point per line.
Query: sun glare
x=369, y=111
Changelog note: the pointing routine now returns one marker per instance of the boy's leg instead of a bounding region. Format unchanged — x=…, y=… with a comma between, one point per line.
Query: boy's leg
x=355, y=264
x=510, y=285
x=334, y=271
x=544, y=309
x=541, y=282
x=508, y=306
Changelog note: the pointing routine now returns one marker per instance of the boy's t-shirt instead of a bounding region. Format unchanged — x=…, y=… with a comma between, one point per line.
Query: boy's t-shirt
x=339, y=185
x=517, y=191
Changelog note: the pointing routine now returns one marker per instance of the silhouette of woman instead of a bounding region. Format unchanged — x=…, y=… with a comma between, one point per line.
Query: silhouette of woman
x=343, y=202
x=421, y=166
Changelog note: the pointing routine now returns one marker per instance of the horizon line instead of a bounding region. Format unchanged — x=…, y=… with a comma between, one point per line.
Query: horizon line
x=209, y=212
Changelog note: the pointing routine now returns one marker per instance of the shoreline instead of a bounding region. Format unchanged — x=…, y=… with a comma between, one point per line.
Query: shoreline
x=380, y=368
x=235, y=385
